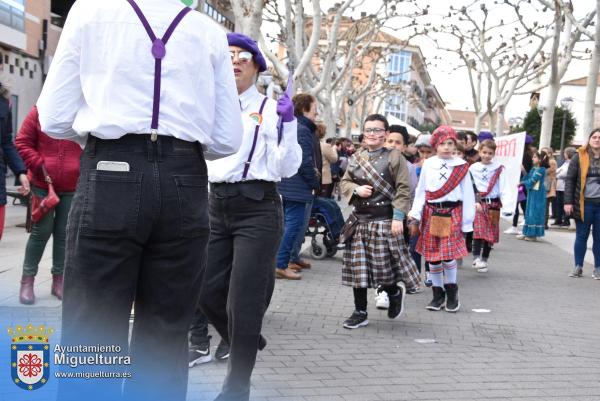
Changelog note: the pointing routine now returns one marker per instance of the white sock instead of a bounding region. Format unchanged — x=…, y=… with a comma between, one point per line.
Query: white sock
x=436, y=272
x=450, y=271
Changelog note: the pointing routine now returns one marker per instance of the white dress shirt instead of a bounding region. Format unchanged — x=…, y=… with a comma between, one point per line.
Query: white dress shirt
x=434, y=173
x=102, y=77
x=482, y=175
x=270, y=162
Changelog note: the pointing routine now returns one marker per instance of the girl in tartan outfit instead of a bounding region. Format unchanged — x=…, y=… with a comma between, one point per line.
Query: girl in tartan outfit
x=377, y=182
x=489, y=183
x=444, y=208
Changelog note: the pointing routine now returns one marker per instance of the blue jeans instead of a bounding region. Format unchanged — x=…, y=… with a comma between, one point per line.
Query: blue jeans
x=295, y=227
x=295, y=254
x=591, y=220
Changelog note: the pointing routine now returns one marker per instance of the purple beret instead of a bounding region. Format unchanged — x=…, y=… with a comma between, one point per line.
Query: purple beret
x=483, y=135
x=247, y=43
x=528, y=139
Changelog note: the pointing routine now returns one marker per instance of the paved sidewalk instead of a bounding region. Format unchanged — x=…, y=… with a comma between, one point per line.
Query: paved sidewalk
x=538, y=342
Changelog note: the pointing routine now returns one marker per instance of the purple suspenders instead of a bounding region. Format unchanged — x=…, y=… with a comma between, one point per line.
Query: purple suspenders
x=158, y=52
x=258, y=123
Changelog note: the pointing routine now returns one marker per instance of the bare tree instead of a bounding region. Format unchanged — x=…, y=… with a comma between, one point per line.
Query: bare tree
x=594, y=66
x=500, y=56
x=335, y=57
x=566, y=34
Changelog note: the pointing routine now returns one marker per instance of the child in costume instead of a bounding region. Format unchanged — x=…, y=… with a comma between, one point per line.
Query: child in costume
x=444, y=208
x=489, y=184
x=535, y=212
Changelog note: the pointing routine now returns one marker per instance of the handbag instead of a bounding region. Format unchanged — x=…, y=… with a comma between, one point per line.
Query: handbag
x=348, y=229
x=494, y=216
x=41, y=206
x=441, y=224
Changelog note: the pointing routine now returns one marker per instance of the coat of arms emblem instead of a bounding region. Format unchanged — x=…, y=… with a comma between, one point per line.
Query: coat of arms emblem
x=30, y=356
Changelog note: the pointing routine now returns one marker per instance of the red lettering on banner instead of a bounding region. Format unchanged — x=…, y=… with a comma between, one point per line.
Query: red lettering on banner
x=506, y=148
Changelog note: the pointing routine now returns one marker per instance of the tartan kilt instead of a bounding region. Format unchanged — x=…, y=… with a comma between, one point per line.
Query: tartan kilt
x=482, y=227
x=376, y=257
x=436, y=249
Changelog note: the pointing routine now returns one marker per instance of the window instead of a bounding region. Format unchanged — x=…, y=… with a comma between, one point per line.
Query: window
x=399, y=67
x=396, y=106
x=12, y=14
x=212, y=12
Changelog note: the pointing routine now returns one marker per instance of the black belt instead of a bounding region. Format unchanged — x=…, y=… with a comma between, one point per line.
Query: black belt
x=490, y=200
x=141, y=141
x=253, y=189
x=444, y=205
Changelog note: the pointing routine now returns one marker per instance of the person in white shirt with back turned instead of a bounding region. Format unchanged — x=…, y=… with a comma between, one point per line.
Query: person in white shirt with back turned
x=147, y=87
x=246, y=219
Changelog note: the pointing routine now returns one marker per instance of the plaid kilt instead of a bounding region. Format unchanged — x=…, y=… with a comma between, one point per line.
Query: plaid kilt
x=435, y=249
x=482, y=227
x=376, y=257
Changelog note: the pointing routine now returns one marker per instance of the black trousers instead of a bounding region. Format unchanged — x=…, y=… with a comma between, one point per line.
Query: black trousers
x=136, y=237
x=240, y=273
x=199, y=328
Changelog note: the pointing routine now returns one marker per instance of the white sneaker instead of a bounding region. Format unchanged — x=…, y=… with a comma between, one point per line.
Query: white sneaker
x=475, y=262
x=381, y=299
x=520, y=236
x=482, y=267
x=511, y=230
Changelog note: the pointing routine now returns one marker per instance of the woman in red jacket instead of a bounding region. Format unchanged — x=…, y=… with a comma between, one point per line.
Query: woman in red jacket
x=61, y=160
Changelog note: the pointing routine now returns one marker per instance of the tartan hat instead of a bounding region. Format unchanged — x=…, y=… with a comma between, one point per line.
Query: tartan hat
x=247, y=43
x=442, y=133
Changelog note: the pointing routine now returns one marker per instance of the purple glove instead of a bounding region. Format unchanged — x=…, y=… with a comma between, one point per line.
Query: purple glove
x=285, y=108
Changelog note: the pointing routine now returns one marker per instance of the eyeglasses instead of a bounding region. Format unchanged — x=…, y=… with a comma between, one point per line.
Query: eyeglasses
x=243, y=56
x=376, y=131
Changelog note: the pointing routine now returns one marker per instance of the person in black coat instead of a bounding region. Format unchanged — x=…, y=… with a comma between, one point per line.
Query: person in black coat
x=299, y=190
x=8, y=155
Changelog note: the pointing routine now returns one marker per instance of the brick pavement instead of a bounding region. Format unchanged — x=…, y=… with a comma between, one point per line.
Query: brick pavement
x=537, y=343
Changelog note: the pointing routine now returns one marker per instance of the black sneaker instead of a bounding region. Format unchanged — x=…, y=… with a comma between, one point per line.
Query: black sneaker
x=397, y=302
x=199, y=354
x=439, y=299
x=358, y=319
x=222, y=352
x=452, y=302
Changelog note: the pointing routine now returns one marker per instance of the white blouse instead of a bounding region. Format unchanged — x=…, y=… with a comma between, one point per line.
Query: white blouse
x=481, y=175
x=271, y=161
x=434, y=174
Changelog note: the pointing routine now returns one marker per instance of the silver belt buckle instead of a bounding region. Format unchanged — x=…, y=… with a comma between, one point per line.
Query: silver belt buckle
x=153, y=135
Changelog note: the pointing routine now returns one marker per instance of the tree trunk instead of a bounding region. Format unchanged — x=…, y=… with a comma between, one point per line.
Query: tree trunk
x=478, y=119
x=548, y=115
x=248, y=16
x=500, y=120
x=592, y=80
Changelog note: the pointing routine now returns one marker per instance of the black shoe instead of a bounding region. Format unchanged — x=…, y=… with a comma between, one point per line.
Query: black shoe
x=358, y=319
x=199, y=354
x=222, y=352
x=397, y=302
x=452, y=302
x=262, y=342
x=439, y=299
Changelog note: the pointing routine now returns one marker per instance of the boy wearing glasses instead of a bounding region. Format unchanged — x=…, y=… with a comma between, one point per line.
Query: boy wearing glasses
x=376, y=255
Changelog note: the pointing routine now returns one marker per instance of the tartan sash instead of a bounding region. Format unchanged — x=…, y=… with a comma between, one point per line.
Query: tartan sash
x=457, y=175
x=378, y=183
x=493, y=182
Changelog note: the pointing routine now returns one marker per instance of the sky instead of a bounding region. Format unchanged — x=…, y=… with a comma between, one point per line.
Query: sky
x=454, y=86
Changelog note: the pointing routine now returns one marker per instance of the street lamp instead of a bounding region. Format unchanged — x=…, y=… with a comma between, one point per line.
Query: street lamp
x=565, y=103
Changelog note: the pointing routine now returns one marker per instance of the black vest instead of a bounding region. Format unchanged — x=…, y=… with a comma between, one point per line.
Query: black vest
x=377, y=206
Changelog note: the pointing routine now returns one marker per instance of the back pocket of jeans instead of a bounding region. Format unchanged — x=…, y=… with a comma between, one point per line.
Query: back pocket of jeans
x=192, y=194
x=111, y=203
